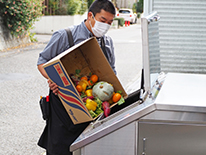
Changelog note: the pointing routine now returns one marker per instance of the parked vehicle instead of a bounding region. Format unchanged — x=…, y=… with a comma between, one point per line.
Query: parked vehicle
x=128, y=15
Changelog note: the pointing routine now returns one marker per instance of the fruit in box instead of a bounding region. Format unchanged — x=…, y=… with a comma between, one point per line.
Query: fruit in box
x=97, y=96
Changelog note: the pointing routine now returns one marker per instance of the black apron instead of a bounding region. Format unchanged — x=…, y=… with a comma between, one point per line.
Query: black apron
x=60, y=132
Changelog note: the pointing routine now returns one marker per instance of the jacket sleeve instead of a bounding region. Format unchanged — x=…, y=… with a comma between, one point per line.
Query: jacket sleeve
x=110, y=50
x=56, y=45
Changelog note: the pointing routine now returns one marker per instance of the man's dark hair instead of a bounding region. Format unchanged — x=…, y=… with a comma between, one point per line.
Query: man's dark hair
x=98, y=5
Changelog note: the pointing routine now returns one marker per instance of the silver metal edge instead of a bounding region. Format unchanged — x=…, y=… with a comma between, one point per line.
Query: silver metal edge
x=182, y=108
x=100, y=133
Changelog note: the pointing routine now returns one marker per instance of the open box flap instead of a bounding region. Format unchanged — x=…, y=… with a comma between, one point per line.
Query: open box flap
x=66, y=52
x=102, y=70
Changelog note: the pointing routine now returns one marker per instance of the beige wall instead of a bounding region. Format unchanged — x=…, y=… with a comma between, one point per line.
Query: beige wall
x=50, y=24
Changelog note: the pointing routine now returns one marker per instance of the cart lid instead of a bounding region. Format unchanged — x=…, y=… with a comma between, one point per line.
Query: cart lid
x=160, y=52
x=150, y=49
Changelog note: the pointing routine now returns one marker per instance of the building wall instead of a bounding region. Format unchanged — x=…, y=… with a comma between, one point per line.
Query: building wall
x=50, y=24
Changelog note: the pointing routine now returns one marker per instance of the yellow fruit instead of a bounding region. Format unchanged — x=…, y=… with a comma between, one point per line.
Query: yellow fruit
x=88, y=92
x=84, y=84
x=91, y=105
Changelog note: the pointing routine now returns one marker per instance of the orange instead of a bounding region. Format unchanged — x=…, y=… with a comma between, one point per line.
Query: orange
x=79, y=88
x=94, y=78
x=84, y=77
x=116, y=97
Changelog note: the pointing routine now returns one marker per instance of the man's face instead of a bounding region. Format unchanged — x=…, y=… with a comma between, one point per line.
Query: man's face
x=103, y=16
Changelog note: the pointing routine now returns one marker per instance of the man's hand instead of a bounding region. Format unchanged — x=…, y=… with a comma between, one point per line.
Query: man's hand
x=53, y=86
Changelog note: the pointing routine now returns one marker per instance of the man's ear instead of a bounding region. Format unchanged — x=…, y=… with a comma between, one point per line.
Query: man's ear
x=89, y=15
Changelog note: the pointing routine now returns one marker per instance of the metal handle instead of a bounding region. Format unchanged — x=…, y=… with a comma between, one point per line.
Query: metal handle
x=144, y=146
x=153, y=19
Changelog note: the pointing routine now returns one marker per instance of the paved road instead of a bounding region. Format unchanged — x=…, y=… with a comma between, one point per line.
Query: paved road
x=128, y=52
x=21, y=86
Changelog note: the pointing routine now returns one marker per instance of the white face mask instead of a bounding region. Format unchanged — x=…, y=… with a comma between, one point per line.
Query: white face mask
x=99, y=28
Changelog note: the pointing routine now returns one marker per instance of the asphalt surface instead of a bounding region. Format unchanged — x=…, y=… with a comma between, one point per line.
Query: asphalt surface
x=21, y=86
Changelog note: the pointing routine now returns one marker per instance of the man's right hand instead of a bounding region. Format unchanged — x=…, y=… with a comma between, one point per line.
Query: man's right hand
x=53, y=86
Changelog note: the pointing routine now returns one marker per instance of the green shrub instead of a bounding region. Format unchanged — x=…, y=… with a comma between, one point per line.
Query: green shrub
x=134, y=7
x=19, y=15
x=54, y=5
x=140, y=5
x=73, y=7
x=89, y=2
x=120, y=21
x=83, y=7
x=61, y=11
x=138, y=15
x=65, y=7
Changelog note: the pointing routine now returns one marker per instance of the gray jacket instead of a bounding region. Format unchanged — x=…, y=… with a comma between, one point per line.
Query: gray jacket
x=59, y=43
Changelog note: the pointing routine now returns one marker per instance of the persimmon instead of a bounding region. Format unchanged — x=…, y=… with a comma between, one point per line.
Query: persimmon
x=116, y=97
x=79, y=88
x=84, y=77
x=94, y=78
x=91, y=83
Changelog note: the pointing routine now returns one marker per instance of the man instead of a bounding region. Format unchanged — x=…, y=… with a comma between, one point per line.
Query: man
x=60, y=132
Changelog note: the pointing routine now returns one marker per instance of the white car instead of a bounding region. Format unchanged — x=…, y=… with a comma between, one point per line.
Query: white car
x=127, y=14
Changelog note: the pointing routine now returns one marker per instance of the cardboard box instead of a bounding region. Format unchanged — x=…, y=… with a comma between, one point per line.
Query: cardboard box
x=89, y=58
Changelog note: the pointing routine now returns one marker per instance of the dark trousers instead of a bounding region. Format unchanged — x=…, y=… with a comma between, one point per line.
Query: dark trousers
x=59, y=132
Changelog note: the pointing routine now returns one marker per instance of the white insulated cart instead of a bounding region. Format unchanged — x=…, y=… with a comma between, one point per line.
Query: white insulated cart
x=168, y=121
